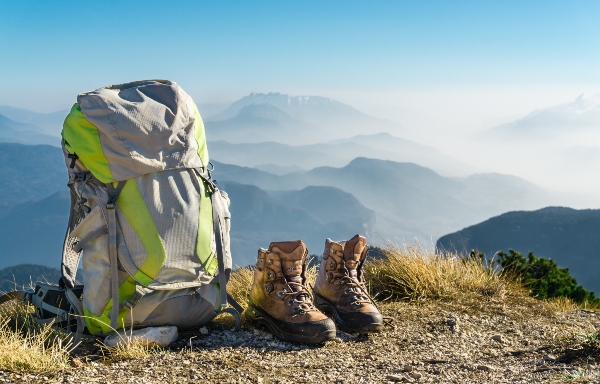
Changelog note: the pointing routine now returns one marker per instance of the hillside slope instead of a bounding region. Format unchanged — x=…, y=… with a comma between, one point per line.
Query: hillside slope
x=568, y=236
x=30, y=172
x=410, y=201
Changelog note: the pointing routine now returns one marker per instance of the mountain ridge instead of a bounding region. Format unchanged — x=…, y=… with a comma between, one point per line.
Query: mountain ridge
x=566, y=235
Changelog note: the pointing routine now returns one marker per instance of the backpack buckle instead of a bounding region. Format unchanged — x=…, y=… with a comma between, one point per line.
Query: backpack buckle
x=135, y=297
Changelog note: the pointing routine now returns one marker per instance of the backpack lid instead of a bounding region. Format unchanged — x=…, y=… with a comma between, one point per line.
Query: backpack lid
x=128, y=130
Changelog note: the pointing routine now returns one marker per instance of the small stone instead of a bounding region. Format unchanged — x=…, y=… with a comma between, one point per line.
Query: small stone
x=550, y=358
x=161, y=336
x=203, y=331
x=76, y=362
x=186, y=362
x=395, y=377
x=408, y=368
x=498, y=338
x=415, y=375
x=486, y=368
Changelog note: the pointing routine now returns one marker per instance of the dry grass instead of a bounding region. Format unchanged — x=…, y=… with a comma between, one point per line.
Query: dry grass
x=562, y=304
x=26, y=346
x=239, y=284
x=130, y=350
x=413, y=274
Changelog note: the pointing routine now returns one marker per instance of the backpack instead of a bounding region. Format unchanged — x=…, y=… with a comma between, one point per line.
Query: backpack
x=147, y=223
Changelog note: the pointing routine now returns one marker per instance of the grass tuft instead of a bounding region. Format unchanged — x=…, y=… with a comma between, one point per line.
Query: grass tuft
x=413, y=274
x=29, y=347
x=239, y=284
x=130, y=349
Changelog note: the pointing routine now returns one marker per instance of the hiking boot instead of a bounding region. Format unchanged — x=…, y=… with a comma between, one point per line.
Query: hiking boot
x=279, y=299
x=340, y=287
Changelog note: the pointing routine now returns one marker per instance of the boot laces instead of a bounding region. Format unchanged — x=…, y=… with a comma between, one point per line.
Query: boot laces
x=357, y=287
x=301, y=295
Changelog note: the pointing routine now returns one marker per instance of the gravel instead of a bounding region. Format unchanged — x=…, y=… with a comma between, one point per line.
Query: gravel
x=435, y=342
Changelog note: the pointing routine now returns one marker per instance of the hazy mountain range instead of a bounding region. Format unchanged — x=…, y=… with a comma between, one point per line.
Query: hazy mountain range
x=286, y=119
x=580, y=116
x=410, y=201
x=30, y=173
x=281, y=158
x=24, y=133
x=46, y=123
x=568, y=236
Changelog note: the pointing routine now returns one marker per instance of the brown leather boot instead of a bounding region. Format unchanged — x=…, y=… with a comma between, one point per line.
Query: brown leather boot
x=280, y=300
x=340, y=290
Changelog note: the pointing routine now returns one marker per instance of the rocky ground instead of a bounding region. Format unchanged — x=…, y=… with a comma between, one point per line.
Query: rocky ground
x=435, y=342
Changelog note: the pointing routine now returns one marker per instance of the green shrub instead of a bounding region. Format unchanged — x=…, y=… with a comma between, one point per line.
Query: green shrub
x=543, y=276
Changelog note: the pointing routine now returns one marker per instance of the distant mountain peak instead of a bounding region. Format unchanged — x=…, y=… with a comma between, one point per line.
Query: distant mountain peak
x=584, y=103
x=281, y=100
x=575, y=116
x=263, y=110
x=309, y=108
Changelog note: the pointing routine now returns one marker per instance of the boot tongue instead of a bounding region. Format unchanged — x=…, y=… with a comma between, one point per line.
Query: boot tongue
x=292, y=255
x=353, y=250
x=292, y=271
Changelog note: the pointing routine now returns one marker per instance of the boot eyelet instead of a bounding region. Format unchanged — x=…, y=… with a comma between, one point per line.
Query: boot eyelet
x=270, y=261
x=329, y=276
x=332, y=264
x=270, y=275
x=298, y=310
x=269, y=288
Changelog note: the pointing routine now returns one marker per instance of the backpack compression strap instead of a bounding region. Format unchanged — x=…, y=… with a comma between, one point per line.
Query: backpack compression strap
x=217, y=212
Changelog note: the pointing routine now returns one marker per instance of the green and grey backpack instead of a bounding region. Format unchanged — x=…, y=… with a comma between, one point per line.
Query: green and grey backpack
x=148, y=225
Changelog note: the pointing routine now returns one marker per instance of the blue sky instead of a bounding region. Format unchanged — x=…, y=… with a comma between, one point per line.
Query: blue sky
x=387, y=57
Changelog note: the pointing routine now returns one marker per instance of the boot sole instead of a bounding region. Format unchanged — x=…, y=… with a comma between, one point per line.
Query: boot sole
x=326, y=306
x=307, y=333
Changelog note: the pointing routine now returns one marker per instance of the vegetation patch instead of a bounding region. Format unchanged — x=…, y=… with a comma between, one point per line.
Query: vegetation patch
x=414, y=274
x=543, y=277
x=582, y=348
x=28, y=347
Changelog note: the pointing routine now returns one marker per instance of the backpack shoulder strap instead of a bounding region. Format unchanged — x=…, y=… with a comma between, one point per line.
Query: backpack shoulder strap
x=218, y=226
